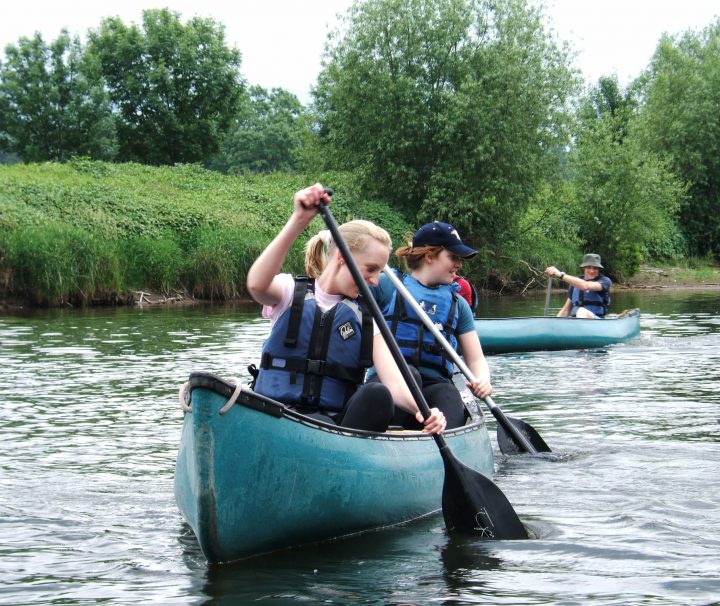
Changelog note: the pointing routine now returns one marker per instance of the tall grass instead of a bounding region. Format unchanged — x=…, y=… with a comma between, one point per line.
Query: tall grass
x=218, y=261
x=54, y=264
x=152, y=264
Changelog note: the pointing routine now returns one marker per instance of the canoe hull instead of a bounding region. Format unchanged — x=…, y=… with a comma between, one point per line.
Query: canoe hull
x=505, y=335
x=248, y=482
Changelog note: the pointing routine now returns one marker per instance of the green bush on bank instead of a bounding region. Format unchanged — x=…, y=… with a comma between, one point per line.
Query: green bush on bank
x=84, y=230
x=55, y=263
x=92, y=231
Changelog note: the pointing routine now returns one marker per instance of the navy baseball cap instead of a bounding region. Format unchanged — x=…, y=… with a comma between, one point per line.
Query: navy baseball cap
x=442, y=234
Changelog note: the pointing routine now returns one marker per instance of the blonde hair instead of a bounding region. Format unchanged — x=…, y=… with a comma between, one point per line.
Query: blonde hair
x=356, y=233
x=413, y=256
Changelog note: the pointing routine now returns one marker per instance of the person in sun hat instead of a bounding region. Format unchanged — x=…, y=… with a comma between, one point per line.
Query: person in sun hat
x=589, y=294
x=433, y=257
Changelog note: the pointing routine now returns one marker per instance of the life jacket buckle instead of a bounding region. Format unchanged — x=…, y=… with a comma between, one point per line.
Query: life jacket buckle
x=315, y=367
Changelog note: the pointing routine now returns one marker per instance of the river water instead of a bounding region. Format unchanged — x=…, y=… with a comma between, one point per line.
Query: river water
x=628, y=512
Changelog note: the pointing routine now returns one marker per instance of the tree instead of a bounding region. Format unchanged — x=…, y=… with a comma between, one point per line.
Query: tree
x=626, y=197
x=607, y=101
x=51, y=108
x=176, y=88
x=681, y=121
x=455, y=108
x=267, y=136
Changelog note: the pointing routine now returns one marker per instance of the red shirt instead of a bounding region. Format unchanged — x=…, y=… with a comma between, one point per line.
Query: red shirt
x=465, y=290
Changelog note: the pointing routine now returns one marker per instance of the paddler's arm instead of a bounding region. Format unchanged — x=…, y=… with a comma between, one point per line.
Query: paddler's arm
x=477, y=363
x=261, y=283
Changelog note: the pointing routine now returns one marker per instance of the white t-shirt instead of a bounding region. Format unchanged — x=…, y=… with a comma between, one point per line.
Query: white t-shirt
x=324, y=300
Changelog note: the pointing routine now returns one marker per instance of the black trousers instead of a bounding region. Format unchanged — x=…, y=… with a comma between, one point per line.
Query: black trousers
x=370, y=408
x=439, y=394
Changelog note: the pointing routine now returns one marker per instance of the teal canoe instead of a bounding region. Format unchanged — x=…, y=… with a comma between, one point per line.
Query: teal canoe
x=260, y=477
x=533, y=333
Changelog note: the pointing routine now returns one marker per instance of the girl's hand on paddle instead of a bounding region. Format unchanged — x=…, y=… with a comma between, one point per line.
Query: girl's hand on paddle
x=435, y=423
x=481, y=388
x=307, y=201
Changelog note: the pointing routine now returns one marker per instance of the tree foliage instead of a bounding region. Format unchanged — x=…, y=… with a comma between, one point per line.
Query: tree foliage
x=176, y=88
x=51, y=108
x=454, y=108
x=625, y=197
x=681, y=120
x=269, y=132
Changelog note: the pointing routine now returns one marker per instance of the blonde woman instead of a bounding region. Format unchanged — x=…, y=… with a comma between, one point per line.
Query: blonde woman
x=433, y=258
x=321, y=339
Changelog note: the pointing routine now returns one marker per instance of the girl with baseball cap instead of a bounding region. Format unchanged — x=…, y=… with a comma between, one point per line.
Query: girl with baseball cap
x=433, y=257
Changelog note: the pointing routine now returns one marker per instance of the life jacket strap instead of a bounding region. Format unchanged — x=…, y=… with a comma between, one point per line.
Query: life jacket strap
x=320, y=368
x=366, y=343
x=303, y=285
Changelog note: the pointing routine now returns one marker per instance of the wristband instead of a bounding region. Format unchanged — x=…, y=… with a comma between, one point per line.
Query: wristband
x=561, y=276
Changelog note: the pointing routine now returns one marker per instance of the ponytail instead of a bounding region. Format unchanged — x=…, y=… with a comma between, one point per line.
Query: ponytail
x=413, y=256
x=356, y=233
x=316, y=253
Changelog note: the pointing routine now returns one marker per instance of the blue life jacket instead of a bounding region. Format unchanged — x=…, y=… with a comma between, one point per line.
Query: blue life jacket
x=418, y=345
x=592, y=300
x=315, y=360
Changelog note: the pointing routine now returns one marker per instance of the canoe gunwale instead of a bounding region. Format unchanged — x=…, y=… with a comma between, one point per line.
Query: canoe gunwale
x=629, y=313
x=264, y=404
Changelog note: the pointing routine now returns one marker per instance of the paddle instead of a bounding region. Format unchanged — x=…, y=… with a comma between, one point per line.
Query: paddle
x=524, y=437
x=471, y=502
x=548, y=292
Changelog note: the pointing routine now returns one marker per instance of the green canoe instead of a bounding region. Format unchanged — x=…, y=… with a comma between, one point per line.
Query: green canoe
x=260, y=477
x=532, y=333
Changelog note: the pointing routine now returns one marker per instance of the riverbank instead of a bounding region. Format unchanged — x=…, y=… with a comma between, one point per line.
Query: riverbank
x=672, y=277
x=649, y=277
x=86, y=233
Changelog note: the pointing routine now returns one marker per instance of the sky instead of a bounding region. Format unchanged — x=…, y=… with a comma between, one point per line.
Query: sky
x=282, y=41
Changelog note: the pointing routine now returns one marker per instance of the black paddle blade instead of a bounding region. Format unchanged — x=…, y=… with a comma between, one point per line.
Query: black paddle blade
x=472, y=504
x=508, y=446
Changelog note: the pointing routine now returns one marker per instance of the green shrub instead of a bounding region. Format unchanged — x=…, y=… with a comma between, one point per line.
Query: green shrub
x=54, y=264
x=76, y=230
x=219, y=259
x=152, y=263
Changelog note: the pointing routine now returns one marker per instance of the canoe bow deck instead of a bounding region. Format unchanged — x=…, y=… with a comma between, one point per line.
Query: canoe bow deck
x=534, y=333
x=261, y=477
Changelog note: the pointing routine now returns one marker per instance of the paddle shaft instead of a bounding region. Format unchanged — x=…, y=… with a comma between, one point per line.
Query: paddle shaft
x=517, y=436
x=548, y=293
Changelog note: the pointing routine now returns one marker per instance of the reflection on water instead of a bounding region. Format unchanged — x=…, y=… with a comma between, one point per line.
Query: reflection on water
x=626, y=513
x=356, y=571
